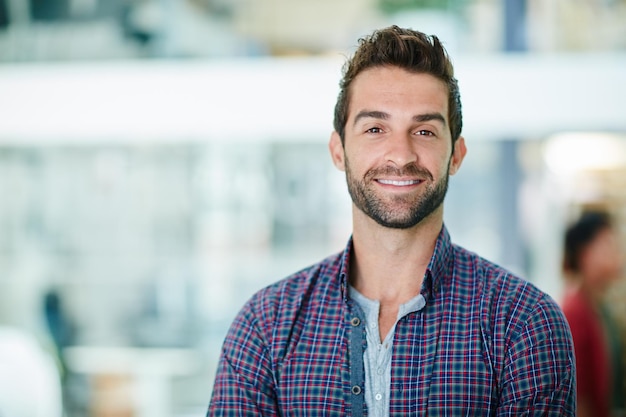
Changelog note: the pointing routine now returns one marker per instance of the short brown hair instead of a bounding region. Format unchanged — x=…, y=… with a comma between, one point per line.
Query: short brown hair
x=407, y=49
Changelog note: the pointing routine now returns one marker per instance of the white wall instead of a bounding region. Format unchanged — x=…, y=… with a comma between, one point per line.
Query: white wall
x=290, y=99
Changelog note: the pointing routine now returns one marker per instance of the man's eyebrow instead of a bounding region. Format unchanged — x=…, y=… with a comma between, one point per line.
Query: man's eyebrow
x=375, y=114
x=427, y=117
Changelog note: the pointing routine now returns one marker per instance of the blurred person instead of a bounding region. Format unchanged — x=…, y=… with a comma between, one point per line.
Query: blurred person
x=592, y=262
x=57, y=320
x=63, y=334
x=402, y=322
x=58, y=323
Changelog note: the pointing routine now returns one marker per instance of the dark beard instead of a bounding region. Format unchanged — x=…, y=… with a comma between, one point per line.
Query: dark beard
x=411, y=210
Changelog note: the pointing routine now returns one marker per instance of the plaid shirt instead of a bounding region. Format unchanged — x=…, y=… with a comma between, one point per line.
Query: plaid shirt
x=486, y=344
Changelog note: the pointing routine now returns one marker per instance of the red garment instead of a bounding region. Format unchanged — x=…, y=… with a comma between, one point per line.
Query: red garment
x=593, y=363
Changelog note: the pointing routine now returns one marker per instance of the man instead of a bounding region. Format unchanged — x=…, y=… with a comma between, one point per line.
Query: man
x=402, y=322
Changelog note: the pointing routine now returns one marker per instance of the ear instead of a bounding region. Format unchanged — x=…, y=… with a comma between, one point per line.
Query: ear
x=337, y=152
x=458, y=154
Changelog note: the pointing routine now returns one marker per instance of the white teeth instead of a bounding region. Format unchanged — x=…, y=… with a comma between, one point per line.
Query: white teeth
x=398, y=183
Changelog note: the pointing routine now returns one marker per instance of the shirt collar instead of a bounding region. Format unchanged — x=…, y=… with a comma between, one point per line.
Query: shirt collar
x=440, y=265
x=344, y=269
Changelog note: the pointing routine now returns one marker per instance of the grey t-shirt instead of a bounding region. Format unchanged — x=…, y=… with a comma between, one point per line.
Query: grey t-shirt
x=377, y=355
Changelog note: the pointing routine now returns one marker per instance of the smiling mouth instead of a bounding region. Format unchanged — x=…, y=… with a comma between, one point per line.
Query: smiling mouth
x=398, y=183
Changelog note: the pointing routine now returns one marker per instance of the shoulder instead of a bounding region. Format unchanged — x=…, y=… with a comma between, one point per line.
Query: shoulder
x=576, y=307
x=526, y=336
x=582, y=318
x=510, y=304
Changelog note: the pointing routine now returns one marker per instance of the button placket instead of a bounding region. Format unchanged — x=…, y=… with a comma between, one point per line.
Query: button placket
x=357, y=370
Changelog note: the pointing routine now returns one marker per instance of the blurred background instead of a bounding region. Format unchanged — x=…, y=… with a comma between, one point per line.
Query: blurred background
x=161, y=160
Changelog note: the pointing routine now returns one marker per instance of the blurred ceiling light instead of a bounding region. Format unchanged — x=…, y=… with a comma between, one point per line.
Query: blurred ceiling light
x=575, y=152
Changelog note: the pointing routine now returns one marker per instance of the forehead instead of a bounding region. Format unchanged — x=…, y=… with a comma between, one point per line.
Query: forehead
x=393, y=88
x=605, y=237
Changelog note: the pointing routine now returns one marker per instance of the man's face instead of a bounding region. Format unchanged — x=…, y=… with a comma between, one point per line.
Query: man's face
x=601, y=261
x=397, y=152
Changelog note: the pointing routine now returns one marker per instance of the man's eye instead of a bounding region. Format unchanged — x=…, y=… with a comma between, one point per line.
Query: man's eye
x=374, y=130
x=425, y=133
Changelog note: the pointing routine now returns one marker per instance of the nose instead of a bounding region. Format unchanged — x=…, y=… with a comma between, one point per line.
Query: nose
x=401, y=150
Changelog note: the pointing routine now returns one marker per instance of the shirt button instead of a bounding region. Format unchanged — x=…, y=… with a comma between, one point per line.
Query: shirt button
x=380, y=371
x=378, y=397
x=355, y=321
x=356, y=390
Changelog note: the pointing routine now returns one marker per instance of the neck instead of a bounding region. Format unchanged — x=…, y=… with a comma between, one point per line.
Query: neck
x=593, y=293
x=389, y=264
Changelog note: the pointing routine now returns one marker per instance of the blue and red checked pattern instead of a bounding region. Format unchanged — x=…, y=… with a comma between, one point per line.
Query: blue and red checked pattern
x=486, y=344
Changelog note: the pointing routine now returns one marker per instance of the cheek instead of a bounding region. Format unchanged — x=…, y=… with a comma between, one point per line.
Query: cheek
x=601, y=264
x=445, y=168
x=361, y=161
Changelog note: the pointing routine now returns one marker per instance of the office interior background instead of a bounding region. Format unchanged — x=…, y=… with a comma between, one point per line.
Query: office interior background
x=161, y=160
